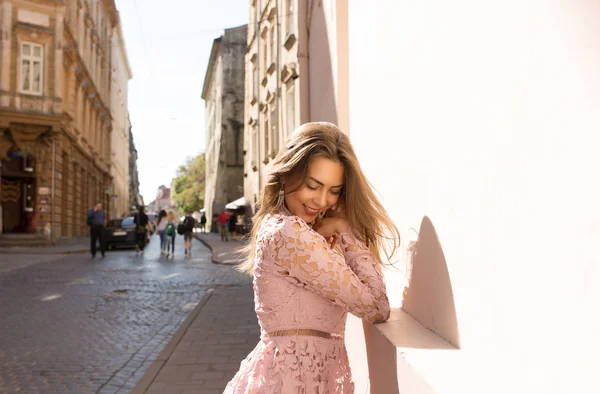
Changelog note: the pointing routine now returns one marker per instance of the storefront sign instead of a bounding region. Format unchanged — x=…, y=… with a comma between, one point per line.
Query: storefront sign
x=44, y=191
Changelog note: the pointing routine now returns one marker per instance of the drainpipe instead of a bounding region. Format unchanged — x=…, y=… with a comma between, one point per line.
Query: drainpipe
x=53, y=184
x=278, y=82
x=1, y=225
x=259, y=16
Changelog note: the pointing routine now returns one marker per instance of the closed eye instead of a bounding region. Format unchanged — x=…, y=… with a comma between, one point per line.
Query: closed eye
x=334, y=192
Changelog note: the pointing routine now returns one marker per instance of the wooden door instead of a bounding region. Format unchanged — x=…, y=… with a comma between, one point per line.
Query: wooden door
x=12, y=205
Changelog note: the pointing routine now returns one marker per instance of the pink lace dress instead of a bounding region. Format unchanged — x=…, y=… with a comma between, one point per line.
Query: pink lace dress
x=303, y=291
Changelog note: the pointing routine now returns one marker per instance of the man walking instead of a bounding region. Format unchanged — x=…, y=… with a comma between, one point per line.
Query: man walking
x=223, y=219
x=96, y=221
x=140, y=219
x=203, y=223
x=189, y=224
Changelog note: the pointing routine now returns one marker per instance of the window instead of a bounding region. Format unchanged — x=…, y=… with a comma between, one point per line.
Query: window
x=264, y=48
x=266, y=134
x=289, y=9
x=255, y=147
x=273, y=44
x=32, y=68
x=255, y=81
x=291, y=113
x=274, y=132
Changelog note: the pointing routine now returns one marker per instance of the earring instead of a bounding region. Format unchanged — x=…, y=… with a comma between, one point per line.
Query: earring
x=280, y=198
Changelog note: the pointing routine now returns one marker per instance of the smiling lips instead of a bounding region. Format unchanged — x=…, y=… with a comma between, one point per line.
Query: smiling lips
x=310, y=211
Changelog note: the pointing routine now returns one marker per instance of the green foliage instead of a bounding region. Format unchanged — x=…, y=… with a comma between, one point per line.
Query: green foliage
x=189, y=184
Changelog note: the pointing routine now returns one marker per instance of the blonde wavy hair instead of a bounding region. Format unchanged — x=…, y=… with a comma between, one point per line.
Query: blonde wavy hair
x=364, y=212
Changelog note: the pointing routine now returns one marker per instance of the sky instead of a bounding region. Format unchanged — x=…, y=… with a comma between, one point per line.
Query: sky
x=168, y=46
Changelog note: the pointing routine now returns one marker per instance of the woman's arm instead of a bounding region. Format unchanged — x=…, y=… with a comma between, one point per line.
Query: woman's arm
x=305, y=257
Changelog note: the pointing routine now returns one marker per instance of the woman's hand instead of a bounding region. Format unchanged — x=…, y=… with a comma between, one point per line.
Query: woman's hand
x=330, y=226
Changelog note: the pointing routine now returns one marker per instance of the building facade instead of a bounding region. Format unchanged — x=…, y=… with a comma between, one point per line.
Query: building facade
x=223, y=93
x=277, y=84
x=55, y=120
x=119, y=165
x=161, y=202
x=135, y=200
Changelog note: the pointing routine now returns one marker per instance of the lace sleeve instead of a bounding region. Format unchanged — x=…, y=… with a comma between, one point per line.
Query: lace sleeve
x=305, y=258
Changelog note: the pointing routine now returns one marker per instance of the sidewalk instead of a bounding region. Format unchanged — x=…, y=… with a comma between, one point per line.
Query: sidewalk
x=222, y=252
x=207, y=349
x=75, y=245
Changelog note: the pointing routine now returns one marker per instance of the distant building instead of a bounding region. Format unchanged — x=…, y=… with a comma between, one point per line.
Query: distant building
x=162, y=200
x=119, y=157
x=135, y=200
x=223, y=93
x=172, y=204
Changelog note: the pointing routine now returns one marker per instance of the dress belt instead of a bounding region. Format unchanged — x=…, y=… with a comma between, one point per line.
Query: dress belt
x=304, y=331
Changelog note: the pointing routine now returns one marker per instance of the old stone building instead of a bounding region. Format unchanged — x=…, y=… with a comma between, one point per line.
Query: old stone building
x=161, y=202
x=135, y=200
x=55, y=120
x=276, y=100
x=223, y=93
x=119, y=169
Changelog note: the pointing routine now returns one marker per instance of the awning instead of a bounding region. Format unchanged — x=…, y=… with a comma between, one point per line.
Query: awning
x=240, y=202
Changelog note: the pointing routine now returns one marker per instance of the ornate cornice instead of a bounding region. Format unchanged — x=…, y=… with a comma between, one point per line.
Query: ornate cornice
x=25, y=137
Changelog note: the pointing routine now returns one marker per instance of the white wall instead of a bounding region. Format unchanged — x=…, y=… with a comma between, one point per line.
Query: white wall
x=484, y=116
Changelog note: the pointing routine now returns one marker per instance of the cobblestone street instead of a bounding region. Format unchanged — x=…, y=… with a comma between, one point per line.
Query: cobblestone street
x=72, y=324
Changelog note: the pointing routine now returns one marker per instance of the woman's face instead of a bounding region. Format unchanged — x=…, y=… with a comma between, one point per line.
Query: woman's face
x=320, y=190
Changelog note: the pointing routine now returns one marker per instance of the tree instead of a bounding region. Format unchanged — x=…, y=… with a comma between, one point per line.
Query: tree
x=189, y=184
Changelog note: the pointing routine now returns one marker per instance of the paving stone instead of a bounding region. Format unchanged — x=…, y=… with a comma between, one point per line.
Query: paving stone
x=213, y=340
x=72, y=324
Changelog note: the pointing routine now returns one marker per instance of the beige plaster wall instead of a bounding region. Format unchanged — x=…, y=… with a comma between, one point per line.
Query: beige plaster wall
x=478, y=124
x=328, y=62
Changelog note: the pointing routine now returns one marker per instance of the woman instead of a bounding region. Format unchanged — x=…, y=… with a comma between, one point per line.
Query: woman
x=141, y=229
x=170, y=232
x=314, y=254
x=162, y=223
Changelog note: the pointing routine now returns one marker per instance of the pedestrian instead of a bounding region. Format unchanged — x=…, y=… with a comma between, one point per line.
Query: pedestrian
x=160, y=227
x=141, y=229
x=314, y=253
x=96, y=221
x=170, y=232
x=203, y=223
x=239, y=224
x=231, y=225
x=189, y=224
x=222, y=220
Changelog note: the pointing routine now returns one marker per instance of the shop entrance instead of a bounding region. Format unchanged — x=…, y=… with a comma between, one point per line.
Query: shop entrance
x=17, y=197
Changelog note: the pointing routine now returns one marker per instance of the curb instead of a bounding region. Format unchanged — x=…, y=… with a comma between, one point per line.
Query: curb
x=33, y=251
x=212, y=260
x=157, y=365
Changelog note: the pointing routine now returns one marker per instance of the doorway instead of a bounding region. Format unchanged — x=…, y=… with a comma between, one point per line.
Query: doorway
x=12, y=203
x=17, y=191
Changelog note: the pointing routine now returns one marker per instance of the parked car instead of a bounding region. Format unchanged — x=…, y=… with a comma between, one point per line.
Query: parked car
x=120, y=233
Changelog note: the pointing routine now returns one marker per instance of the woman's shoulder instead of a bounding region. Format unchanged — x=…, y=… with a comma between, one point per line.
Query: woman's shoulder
x=279, y=224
